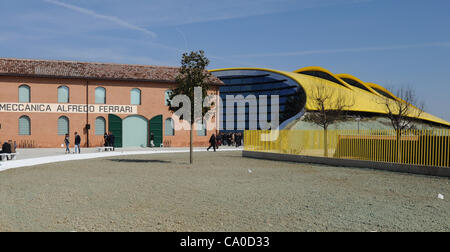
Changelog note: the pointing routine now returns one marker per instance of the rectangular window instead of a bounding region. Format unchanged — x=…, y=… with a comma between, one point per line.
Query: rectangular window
x=24, y=94
x=100, y=126
x=63, y=126
x=201, y=129
x=100, y=95
x=63, y=95
x=135, y=96
x=24, y=126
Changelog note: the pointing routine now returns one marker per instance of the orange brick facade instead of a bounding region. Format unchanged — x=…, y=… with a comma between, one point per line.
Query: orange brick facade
x=44, y=126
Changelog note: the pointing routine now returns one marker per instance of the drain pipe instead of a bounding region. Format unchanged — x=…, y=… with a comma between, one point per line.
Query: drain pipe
x=88, y=126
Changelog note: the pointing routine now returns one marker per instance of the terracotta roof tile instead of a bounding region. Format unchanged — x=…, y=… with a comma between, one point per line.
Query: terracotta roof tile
x=86, y=70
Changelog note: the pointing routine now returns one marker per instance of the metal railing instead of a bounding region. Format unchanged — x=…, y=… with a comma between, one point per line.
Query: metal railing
x=416, y=147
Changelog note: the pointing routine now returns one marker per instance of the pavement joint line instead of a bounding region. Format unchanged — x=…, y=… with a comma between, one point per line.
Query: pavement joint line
x=13, y=164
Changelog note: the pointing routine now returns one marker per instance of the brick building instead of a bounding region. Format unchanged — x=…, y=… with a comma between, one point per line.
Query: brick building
x=41, y=101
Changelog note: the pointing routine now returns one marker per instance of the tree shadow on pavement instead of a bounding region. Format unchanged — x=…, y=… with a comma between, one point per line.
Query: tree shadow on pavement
x=139, y=161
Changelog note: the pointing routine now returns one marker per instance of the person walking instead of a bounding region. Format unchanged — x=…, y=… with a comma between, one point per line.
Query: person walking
x=238, y=139
x=152, y=140
x=111, y=141
x=106, y=139
x=212, y=143
x=77, y=143
x=219, y=140
x=67, y=143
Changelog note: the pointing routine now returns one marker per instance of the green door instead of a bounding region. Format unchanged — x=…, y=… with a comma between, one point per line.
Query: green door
x=115, y=126
x=156, y=127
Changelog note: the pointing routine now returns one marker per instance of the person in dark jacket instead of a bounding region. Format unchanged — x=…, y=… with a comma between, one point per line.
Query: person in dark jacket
x=77, y=143
x=112, y=140
x=152, y=140
x=6, y=148
x=238, y=140
x=106, y=139
x=212, y=143
x=67, y=143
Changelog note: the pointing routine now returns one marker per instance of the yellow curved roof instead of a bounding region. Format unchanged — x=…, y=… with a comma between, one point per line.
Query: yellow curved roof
x=373, y=85
x=363, y=100
x=321, y=69
x=351, y=77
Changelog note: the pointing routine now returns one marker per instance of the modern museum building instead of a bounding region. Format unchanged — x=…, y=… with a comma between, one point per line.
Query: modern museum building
x=41, y=101
x=295, y=91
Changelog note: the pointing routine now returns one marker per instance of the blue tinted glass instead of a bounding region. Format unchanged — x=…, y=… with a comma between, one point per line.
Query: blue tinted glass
x=257, y=83
x=287, y=92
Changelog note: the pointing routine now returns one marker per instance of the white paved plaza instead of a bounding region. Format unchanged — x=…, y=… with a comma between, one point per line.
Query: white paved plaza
x=31, y=157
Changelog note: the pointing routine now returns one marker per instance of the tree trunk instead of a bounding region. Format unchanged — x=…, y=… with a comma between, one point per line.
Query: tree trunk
x=191, y=148
x=399, y=146
x=325, y=142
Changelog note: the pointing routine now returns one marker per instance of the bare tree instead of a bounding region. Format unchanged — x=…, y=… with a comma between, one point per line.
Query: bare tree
x=327, y=107
x=402, y=112
x=192, y=74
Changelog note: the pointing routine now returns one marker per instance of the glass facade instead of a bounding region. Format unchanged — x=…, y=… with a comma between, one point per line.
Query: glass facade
x=242, y=84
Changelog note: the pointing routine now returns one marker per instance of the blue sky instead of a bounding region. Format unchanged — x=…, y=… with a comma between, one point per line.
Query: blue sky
x=390, y=42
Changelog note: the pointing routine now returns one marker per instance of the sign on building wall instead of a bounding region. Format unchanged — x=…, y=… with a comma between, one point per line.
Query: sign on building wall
x=67, y=108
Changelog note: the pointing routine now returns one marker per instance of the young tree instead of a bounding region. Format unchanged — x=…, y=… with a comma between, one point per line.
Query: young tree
x=192, y=74
x=328, y=107
x=402, y=113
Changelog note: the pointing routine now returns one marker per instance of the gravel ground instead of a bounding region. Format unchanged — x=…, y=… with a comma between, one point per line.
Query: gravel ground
x=222, y=192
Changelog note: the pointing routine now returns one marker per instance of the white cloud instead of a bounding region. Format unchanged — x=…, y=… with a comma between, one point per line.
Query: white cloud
x=94, y=14
x=181, y=12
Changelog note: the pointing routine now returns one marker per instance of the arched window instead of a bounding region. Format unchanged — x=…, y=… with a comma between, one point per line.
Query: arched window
x=63, y=94
x=169, y=127
x=167, y=97
x=63, y=126
x=100, y=95
x=135, y=96
x=100, y=126
x=24, y=126
x=201, y=128
x=24, y=93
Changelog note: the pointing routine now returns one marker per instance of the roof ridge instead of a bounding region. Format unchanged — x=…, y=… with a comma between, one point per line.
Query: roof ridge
x=84, y=62
x=78, y=69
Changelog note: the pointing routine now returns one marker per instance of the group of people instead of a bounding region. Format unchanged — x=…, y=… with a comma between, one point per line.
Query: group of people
x=109, y=140
x=229, y=139
x=108, y=137
x=7, y=148
x=77, y=144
